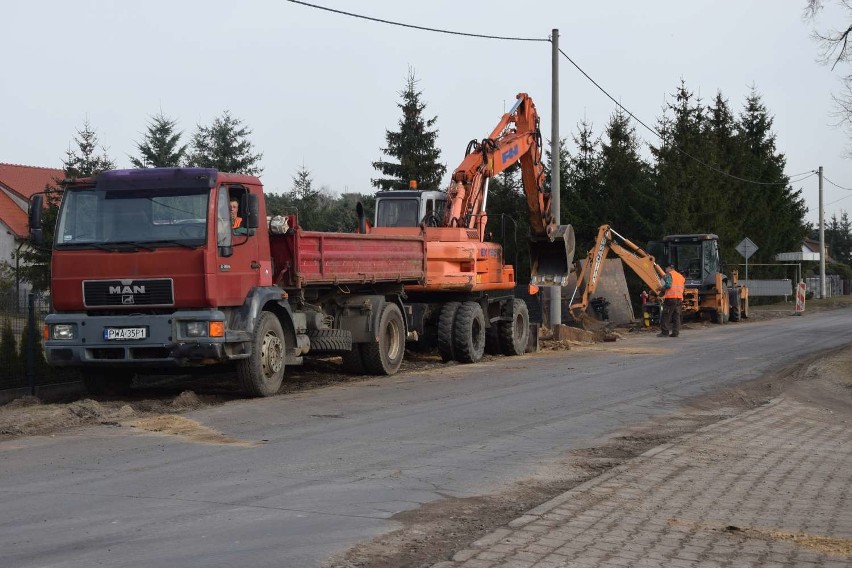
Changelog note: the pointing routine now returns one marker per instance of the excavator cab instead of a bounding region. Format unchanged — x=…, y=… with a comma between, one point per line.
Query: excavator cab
x=409, y=208
x=694, y=256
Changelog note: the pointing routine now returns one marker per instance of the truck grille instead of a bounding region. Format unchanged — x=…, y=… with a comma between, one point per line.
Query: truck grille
x=128, y=293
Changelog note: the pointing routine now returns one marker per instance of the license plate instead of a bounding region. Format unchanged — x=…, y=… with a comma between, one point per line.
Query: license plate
x=121, y=333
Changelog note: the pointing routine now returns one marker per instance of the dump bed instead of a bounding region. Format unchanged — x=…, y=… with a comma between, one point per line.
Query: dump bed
x=303, y=258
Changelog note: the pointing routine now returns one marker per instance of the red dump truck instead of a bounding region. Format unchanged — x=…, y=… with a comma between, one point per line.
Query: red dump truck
x=149, y=275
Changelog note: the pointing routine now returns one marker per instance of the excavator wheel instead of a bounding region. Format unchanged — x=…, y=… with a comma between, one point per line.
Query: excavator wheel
x=446, y=319
x=469, y=333
x=514, y=334
x=734, y=301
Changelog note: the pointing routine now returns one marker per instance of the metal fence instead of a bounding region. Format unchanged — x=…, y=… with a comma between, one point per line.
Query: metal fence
x=834, y=286
x=22, y=362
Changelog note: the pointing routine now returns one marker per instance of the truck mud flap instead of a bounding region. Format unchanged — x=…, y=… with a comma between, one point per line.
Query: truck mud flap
x=552, y=256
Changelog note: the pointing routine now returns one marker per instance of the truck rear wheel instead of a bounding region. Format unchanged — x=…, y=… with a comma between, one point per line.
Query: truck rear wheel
x=515, y=334
x=469, y=333
x=262, y=372
x=446, y=320
x=383, y=357
x=107, y=381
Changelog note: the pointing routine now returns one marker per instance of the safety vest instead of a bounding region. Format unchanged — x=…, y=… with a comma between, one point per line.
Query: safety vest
x=237, y=222
x=676, y=289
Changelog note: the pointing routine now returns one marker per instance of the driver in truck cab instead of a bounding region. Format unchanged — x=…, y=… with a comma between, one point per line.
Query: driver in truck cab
x=236, y=220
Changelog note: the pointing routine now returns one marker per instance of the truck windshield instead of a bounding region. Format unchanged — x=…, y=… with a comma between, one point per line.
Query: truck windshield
x=92, y=217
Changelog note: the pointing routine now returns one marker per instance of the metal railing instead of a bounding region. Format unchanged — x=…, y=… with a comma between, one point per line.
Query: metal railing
x=22, y=362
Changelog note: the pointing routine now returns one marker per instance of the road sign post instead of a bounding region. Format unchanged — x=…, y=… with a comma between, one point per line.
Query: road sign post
x=746, y=248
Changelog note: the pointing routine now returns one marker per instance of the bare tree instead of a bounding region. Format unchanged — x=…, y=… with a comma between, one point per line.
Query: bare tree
x=836, y=51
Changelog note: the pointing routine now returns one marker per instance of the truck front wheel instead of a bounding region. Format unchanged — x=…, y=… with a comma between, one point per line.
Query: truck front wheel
x=384, y=357
x=262, y=373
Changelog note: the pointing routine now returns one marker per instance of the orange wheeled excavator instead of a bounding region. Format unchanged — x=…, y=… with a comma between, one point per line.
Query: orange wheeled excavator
x=466, y=305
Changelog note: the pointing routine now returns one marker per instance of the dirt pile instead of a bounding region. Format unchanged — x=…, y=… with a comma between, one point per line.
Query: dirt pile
x=29, y=416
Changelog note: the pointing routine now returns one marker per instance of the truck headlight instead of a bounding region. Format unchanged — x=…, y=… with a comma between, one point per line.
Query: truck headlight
x=63, y=331
x=203, y=329
x=196, y=329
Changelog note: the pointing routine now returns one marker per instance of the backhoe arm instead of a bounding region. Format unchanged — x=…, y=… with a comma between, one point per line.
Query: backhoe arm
x=636, y=258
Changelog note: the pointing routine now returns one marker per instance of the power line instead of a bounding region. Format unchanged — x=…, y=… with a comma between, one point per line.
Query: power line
x=412, y=26
x=548, y=40
x=806, y=176
x=660, y=136
x=835, y=185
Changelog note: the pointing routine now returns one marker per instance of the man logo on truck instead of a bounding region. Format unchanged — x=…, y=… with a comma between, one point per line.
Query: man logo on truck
x=127, y=289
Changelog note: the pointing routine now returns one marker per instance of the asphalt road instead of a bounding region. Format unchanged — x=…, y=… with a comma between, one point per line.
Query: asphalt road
x=311, y=473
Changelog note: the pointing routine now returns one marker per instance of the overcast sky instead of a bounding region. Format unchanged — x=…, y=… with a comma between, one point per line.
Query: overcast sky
x=321, y=89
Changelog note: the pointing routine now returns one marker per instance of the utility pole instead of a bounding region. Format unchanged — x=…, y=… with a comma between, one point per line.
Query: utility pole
x=821, y=240
x=555, y=291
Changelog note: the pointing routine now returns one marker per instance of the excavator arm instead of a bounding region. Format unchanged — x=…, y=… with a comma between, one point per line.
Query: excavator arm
x=642, y=263
x=516, y=138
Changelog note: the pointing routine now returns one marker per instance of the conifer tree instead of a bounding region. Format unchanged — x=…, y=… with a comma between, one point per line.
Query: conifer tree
x=775, y=199
x=161, y=146
x=306, y=199
x=628, y=198
x=680, y=178
x=580, y=178
x=224, y=145
x=87, y=159
x=413, y=146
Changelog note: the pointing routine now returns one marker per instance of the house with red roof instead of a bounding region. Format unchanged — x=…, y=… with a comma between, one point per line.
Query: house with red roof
x=17, y=184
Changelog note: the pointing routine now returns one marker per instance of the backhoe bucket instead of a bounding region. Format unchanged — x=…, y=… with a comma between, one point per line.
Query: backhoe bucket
x=552, y=256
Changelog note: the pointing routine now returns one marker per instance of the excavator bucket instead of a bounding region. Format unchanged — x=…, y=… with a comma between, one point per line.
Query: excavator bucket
x=552, y=256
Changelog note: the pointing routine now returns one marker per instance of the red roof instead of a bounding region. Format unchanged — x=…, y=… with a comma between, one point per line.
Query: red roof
x=22, y=182
x=27, y=180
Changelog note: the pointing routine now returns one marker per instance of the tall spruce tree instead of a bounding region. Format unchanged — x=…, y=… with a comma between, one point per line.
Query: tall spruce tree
x=161, y=147
x=581, y=188
x=628, y=197
x=306, y=199
x=680, y=178
x=413, y=146
x=775, y=199
x=87, y=159
x=224, y=145
x=722, y=209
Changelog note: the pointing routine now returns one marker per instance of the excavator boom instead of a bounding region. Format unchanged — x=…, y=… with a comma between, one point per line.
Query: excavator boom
x=516, y=138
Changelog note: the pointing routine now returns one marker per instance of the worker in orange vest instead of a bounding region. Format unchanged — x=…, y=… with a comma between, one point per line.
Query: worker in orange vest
x=670, y=319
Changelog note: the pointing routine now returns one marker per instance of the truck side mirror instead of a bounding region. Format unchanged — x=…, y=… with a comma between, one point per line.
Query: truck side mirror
x=36, y=205
x=252, y=209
